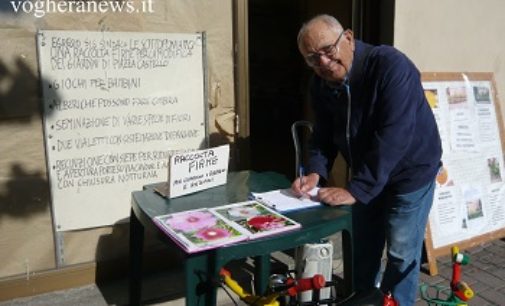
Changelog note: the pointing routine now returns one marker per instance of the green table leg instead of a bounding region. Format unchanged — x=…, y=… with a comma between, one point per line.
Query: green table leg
x=261, y=272
x=136, y=250
x=198, y=291
x=348, y=263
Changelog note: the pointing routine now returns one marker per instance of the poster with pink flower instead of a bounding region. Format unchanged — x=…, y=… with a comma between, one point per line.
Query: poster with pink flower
x=204, y=229
x=199, y=230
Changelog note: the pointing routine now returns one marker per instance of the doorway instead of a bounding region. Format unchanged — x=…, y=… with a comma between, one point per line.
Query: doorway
x=278, y=76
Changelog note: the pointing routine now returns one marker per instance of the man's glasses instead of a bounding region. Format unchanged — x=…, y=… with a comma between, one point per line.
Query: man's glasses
x=314, y=59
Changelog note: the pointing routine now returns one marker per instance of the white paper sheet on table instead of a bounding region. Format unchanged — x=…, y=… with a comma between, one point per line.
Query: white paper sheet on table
x=284, y=200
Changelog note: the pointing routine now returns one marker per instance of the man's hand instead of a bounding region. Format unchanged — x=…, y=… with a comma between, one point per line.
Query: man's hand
x=334, y=196
x=301, y=186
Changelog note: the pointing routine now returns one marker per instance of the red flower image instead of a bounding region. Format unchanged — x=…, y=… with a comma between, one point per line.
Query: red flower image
x=268, y=222
x=212, y=233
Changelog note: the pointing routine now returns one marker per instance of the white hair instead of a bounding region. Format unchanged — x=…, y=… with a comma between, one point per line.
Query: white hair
x=330, y=21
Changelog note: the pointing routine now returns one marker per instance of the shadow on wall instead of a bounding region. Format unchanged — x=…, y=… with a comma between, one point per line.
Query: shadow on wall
x=19, y=94
x=24, y=191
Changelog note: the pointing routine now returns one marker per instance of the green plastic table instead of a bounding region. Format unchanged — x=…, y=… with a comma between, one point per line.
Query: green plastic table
x=201, y=268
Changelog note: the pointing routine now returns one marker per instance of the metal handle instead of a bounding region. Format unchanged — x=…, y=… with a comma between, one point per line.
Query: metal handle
x=296, y=142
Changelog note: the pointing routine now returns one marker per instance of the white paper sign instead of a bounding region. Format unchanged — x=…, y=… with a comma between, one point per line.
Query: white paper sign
x=116, y=106
x=198, y=170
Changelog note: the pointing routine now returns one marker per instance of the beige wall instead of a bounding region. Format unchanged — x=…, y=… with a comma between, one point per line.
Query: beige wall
x=26, y=242
x=454, y=36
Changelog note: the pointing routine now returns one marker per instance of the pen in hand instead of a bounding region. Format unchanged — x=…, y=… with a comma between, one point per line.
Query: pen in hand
x=300, y=177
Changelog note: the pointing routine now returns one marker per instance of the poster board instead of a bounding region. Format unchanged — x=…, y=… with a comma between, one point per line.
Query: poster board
x=469, y=202
x=116, y=105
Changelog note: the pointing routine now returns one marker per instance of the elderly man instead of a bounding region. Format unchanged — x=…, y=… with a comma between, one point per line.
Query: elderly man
x=369, y=105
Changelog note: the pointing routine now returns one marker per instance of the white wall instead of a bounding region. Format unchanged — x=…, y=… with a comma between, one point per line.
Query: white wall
x=454, y=36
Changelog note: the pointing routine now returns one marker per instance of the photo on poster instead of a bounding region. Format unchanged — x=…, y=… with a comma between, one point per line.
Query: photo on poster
x=473, y=203
x=443, y=178
x=481, y=95
x=456, y=96
x=474, y=209
x=432, y=97
x=493, y=165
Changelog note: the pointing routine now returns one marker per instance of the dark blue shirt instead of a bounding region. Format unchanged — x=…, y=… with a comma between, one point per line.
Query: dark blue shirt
x=381, y=123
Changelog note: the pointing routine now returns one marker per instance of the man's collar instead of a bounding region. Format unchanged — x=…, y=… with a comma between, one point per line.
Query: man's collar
x=354, y=75
x=337, y=85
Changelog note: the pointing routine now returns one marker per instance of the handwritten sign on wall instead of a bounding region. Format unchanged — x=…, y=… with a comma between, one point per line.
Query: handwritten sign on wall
x=198, y=170
x=116, y=106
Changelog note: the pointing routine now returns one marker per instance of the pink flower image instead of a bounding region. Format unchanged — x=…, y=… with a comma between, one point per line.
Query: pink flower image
x=268, y=222
x=212, y=233
x=192, y=221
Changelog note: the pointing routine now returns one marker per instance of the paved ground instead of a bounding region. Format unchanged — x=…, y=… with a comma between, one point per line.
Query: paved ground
x=485, y=274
